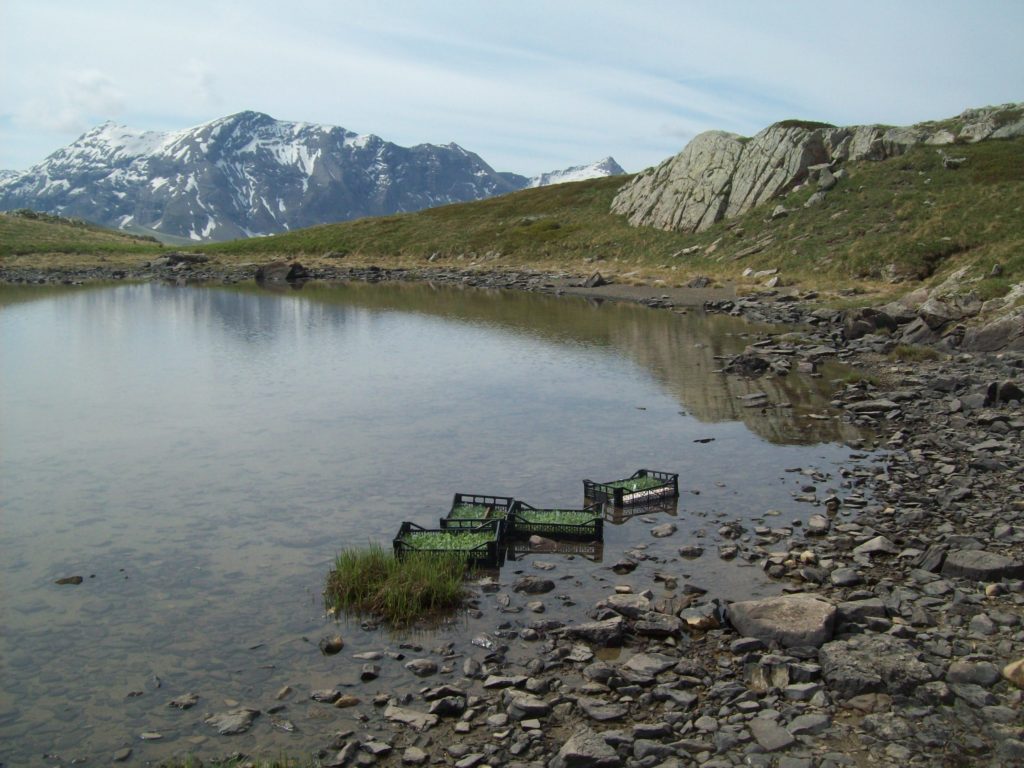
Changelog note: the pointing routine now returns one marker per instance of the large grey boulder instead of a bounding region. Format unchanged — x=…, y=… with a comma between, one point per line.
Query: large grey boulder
x=789, y=620
x=774, y=161
x=1004, y=333
x=872, y=664
x=980, y=565
x=688, y=192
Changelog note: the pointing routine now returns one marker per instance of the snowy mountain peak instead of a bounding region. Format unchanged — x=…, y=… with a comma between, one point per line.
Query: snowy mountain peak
x=248, y=174
x=604, y=167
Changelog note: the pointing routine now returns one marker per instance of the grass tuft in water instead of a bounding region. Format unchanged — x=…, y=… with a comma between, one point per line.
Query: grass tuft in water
x=370, y=581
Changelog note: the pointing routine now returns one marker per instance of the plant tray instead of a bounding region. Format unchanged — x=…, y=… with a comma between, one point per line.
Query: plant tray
x=592, y=550
x=642, y=487
x=482, y=545
x=471, y=510
x=667, y=505
x=585, y=524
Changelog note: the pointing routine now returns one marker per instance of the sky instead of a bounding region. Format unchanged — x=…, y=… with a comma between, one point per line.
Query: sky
x=529, y=85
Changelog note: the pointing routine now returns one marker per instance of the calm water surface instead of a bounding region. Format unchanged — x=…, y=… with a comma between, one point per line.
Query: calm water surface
x=200, y=455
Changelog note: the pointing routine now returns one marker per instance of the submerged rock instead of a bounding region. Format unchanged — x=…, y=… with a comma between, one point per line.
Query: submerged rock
x=233, y=721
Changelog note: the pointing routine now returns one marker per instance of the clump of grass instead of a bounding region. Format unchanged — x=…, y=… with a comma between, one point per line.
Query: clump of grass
x=370, y=581
x=913, y=353
x=854, y=377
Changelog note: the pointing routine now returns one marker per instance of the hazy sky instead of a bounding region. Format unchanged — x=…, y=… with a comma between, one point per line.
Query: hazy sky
x=530, y=86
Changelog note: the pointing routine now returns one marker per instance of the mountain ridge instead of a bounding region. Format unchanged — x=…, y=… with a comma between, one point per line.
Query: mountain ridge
x=246, y=175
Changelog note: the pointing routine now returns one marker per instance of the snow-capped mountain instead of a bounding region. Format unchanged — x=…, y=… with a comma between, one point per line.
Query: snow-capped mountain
x=249, y=174
x=246, y=174
x=600, y=169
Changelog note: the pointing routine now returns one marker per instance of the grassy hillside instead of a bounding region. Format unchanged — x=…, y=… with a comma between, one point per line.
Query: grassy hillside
x=885, y=227
x=27, y=233
x=897, y=221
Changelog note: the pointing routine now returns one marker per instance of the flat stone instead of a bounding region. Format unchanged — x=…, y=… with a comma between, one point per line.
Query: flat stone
x=818, y=525
x=845, y=577
x=448, y=706
x=664, y=530
x=789, y=620
x=871, y=664
x=122, y=754
x=770, y=735
x=533, y=585
x=976, y=672
x=658, y=625
x=422, y=667
x=809, y=724
x=630, y=606
x=974, y=695
x=414, y=756
x=586, y=749
x=233, y=721
x=980, y=565
x=650, y=663
x=186, y=701
x=420, y=721
x=505, y=681
x=602, y=711
x=606, y=633
x=858, y=611
x=879, y=545
x=521, y=706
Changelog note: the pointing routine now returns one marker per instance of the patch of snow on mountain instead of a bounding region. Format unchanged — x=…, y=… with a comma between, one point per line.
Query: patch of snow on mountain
x=598, y=170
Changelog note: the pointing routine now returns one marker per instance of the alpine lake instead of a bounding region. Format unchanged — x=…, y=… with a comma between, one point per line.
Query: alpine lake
x=199, y=456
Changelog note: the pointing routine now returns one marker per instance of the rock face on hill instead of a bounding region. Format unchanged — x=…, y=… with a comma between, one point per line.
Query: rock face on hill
x=721, y=175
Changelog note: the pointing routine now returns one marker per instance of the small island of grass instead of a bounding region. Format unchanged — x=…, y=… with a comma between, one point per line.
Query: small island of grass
x=372, y=582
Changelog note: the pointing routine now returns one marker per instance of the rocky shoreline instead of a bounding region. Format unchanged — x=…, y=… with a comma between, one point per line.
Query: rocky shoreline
x=897, y=640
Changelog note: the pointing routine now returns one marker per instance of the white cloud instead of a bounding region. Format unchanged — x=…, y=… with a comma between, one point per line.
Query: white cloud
x=199, y=80
x=78, y=101
x=529, y=85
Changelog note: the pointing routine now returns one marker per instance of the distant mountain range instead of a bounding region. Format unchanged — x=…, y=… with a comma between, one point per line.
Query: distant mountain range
x=248, y=174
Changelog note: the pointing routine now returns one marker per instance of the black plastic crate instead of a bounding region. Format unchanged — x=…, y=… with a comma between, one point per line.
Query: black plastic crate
x=642, y=487
x=521, y=526
x=592, y=550
x=471, y=510
x=486, y=554
x=667, y=505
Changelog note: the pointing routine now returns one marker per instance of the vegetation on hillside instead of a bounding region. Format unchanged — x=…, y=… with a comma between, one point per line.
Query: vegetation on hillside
x=30, y=232
x=886, y=225
x=900, y=220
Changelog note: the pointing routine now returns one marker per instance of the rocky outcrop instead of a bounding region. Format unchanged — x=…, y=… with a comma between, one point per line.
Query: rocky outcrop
x=721, y=175
x=688, y=192
x=773, y=162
